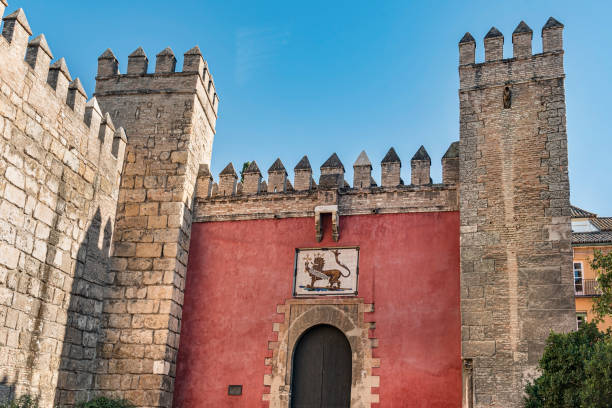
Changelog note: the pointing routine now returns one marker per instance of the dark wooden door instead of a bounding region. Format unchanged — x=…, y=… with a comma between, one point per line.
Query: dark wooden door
x=322, y=370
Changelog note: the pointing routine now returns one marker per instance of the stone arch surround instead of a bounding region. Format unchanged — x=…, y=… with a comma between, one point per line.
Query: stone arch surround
x=300, y=315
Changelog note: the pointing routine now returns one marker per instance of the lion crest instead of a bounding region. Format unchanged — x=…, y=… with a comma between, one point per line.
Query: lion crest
x=316, y=269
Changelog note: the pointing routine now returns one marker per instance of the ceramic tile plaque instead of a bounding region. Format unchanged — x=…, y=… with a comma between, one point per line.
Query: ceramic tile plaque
x=326, y=271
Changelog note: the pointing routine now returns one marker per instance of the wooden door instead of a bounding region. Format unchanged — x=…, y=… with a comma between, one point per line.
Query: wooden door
x=322, y=370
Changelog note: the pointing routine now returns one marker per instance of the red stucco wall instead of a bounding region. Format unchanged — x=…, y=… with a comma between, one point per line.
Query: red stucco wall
x=239, y=271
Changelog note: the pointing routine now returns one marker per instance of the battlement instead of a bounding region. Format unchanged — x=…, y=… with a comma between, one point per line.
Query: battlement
x=514, y=211
x=195, y=78
x=58, y=197
x=277, y=197
x=522, y=66
x=91, y=135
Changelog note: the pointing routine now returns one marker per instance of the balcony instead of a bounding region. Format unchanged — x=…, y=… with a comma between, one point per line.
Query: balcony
x=586, y=287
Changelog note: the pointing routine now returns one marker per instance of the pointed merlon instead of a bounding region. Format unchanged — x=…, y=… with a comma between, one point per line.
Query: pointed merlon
x=166, y=52
x=93, y=104
x=203, y=170
x=277, y=166
x=194, y=51
x=138, y=52
x=41, y=42
x=493, y=33
x=120, y=133
x=333, y=163
x=228, y=170
x=362, y=160
x=391, y=157
x=108, y=54
x=552, y=23
x=452, y=152
x=522, y=28
x=108, y=121
x=19, y=15
x=303, y=164
x=467, y=38
x=60, y=64
x=253, y=168
x=421, y=154
x=76, y=85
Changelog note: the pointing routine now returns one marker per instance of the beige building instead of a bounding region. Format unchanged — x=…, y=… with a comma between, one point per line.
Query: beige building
x=589, y=233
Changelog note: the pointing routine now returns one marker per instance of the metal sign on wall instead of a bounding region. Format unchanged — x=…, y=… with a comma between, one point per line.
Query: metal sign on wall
x=326, y=271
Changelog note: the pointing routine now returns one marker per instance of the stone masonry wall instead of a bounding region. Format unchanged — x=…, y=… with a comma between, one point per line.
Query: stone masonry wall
x=170, y=117
x=60, y=166
x=516, y=278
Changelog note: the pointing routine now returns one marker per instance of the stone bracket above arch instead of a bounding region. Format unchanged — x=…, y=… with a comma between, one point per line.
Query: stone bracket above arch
x=348, y=315
x=327, y=209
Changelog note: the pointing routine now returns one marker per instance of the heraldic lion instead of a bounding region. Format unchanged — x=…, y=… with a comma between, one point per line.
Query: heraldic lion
x=317, y=272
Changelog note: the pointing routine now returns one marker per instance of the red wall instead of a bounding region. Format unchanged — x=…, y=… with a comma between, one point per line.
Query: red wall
x=240, y=270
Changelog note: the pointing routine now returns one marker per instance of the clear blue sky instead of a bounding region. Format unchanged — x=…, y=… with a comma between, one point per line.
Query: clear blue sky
x=319, y=77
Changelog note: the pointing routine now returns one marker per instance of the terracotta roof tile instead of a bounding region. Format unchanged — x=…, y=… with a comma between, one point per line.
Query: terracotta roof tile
x=600, y=237
x=580, y=213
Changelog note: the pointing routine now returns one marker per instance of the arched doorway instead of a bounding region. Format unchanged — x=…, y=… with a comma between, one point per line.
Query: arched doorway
x=322, y=368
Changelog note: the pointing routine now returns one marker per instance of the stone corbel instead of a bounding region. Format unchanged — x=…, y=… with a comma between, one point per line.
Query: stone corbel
x=327, y=209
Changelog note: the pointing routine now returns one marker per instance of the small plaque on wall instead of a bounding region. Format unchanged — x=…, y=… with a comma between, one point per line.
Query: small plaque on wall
x=326, y=271
x=234, y=390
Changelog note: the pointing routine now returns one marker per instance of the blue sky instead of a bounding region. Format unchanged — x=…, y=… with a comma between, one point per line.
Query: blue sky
x=319, y=77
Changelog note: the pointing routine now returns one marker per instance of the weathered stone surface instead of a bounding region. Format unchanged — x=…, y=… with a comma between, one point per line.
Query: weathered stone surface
x=516, y=276
x=95, y=220
x=170, y=120
x=59, y=180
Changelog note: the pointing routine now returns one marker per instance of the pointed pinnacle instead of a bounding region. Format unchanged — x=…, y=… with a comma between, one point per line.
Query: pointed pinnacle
x=108, y=54
x=138, y=52
x=303, y=164
x=421, y=154
x=467, y=38
x=108, y=121
x=40, y=41
x=493, y=33
x=20, y=16
x=166, y=51
x=120, y=133
x=203, y=170
x=552, y=23
x=277, y=166
x=391, y=157
x=93, y=103
x=362, y=160
x=333, y=163
x=228, y=170
x=60, y=64
x=194, y=51
x=253, y=168
x=76, y=84
x=522, y=28
x=452, y=152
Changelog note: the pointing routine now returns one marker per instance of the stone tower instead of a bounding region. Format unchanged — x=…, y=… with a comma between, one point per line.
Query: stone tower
x=516, y=279
x=170, y=119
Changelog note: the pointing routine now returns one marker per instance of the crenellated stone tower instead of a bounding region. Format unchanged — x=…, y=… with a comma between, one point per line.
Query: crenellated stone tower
x=170, y=119
x=516, y=279
x=98, y=196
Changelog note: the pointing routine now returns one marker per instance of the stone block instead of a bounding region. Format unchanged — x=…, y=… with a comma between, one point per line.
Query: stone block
x=473, y=348
x=14, y=195
x=9, y=255
x=148, y=250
